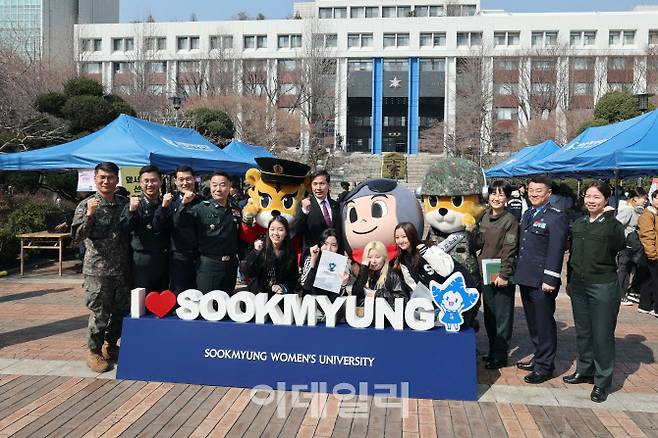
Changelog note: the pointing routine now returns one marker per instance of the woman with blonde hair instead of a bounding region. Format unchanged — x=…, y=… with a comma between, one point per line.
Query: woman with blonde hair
x=375, y=278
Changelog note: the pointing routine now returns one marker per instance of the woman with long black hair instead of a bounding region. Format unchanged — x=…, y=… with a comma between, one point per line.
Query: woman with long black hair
x=329, y=241
x=417, y=261
x=272, y=265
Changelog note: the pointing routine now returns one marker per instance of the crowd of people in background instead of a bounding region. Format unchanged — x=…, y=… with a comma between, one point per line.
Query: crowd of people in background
x=184, y=240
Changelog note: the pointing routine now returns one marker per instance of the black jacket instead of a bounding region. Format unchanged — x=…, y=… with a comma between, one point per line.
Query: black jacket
x=144, y=237
x=393, y=286
x=312, y=225
x=261, y=278
x=183, y=236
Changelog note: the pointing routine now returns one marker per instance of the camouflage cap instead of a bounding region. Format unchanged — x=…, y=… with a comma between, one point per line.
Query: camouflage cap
x=451, y=177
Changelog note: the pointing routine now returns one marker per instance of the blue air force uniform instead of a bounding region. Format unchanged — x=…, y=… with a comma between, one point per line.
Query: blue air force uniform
x=542, y=241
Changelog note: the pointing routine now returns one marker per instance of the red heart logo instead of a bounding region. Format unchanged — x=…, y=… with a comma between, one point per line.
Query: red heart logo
x=160, y=303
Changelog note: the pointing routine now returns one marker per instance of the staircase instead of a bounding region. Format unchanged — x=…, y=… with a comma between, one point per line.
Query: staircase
x=357, y=167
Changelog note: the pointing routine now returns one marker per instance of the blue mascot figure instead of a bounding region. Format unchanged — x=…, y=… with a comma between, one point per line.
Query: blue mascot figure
x=453, y=298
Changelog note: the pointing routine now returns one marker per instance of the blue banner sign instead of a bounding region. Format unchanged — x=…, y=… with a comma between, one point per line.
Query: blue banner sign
x=422, y=364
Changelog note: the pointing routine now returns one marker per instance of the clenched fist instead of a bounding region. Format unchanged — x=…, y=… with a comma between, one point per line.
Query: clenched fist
x=166, y=200
x=258, y=245
x=188, y=197
x=306, y=204
x=134, y=203
x=92, y=205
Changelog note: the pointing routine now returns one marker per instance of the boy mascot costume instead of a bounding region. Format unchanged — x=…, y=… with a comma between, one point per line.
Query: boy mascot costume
x=371, y=212
x=276, y=189
x=451, y=192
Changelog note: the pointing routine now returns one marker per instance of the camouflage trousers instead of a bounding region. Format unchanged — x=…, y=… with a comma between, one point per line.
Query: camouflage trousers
x=108, y=299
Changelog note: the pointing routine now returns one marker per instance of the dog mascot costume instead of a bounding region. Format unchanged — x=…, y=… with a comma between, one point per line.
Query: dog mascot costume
x=451, y=192
x=276, y=189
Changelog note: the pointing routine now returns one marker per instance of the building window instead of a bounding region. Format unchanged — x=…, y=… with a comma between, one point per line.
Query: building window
x=617, y=63
x=287, y=65
x=461, y=10
x=396, y=11
x=255, y=41
x=542, y=88
x=582, y=63
x=469, y=39
x=157, y=67
x=506, y=113
x=333, y=13
x=330, y=40
x=358, y=40
x=507, y=38
x=433, y=39
x=92, y=68
x=157, y=89
x=123, y=67
x=506, y=64
x=123, y=44
x=188, y=66
x=433, y=65
x=187, y=43
x=506, y=89
x=583, y=89
x=91, y=45
x=359, y=65
x=543, y=64
x=289, y=41
x=653, y=37
x=621, y=37
x=620, y=86
x=581, y=38
x=429, y=11
x=396, y=40
x=364, y=12
x=221, y=42
x=544, y=39
x=155, y=43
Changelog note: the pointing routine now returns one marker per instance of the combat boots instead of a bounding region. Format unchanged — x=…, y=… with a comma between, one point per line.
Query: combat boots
x=97, y=363
x=110, y=351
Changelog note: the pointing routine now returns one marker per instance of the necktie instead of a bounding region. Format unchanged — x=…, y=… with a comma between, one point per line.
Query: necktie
x=325, y=213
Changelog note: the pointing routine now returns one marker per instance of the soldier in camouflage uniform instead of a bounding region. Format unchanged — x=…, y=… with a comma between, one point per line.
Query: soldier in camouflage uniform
x=451, y=193
x=97, y=223
x=149, y=245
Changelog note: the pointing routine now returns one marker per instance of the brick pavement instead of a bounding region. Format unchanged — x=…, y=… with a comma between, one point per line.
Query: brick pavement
x=42, y=329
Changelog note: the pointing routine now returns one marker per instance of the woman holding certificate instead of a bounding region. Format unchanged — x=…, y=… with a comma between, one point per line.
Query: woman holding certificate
x=329, y=242
x=497, y=236
x=375, y=278
x=272, y=266
x=596, y=239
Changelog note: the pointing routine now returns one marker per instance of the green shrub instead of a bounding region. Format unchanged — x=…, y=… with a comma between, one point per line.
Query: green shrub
x=82, y=86
x=28, y=217
x=120, y=106
x=51, y=103
x=88, y=113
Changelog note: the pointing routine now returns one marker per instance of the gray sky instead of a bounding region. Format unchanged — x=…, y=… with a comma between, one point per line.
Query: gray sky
x=177, y=10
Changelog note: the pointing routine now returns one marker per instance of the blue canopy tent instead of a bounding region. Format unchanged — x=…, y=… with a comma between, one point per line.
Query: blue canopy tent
x=130, y=142
x=625, y=149
x=529, y=154
x=246, y=152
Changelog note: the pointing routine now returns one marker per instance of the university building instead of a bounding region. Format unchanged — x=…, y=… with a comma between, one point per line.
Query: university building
x=394, y=75
x=43, y=29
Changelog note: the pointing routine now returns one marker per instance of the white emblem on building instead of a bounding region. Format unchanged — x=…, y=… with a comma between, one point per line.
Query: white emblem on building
x=395, y=82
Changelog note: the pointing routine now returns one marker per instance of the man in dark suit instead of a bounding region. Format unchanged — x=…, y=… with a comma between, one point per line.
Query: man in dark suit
x=542, y=241
x=317, y=212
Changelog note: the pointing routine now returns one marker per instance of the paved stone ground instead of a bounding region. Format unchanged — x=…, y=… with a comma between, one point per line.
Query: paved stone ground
x=46, y=389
